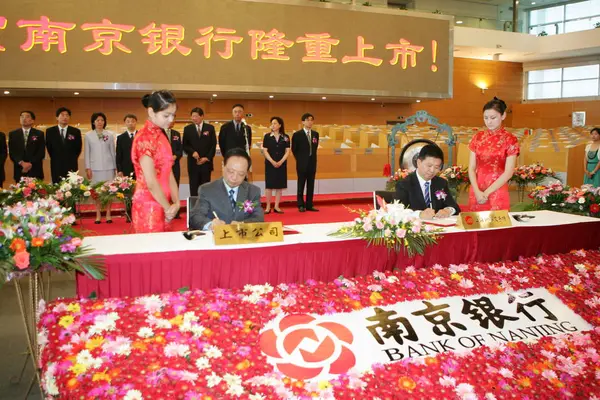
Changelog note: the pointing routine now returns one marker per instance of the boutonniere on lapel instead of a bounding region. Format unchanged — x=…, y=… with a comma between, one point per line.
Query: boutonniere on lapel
x=175, y=138
x=286, y=139
x=103, y=137
x=441, y=195
x=205, y=133
x=70, y=137
x=247, y=206
x=34, y=138
x=315, y=140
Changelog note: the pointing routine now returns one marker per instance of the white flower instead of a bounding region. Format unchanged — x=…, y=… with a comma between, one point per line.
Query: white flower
x=256, y=396
x=213, y=380
x=410, y=270
x=145, y=332
x=253, y=298
x=106, y=322
x=151, y=304
x=177, y=350
x=202, y=363
x=581, y=200
x=197, y=330
x=49, y=381
x=133, y=395
x=447, y=381
x=392, y=279
x=68, y=194
x=466, y=284
x=232, y=380
x=67, y=187
x=505, y=372
x=84, y=358
x=549, y=374
x=465, y=391
x=235, y=390
x=490, y=396
x=87, y=193
x=188, y=376
x=212, y=351
x=375, y=288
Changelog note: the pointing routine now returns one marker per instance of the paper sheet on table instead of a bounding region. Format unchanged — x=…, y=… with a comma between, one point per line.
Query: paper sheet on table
x=443, y=222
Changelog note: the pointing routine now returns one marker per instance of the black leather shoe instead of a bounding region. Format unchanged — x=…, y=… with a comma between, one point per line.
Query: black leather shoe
x=97, y=222
x=277, y=211
x=311, y=209
x=267, y=211
x=109, y=221
x=301, y=209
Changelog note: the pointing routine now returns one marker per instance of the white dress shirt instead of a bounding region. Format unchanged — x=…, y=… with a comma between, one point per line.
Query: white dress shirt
x=431, y=194
x=227, y=189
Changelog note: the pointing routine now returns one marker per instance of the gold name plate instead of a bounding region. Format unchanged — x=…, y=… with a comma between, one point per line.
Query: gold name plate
x=484, y=220
x=247, y=233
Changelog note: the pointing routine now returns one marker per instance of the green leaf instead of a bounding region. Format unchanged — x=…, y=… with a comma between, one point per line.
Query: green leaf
x=183, y=290
x=93, y=296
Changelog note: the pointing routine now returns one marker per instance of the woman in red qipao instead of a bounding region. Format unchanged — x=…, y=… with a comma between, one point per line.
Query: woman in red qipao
x=156, y=197
x=492, y=161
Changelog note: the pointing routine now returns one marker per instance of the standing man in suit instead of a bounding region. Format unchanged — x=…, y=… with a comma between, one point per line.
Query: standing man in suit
x=177, y=148
x=124, y=143
x=424, y=191
x=200, y=145
x=224, y=196
x=64, y=146
x=235, y=133
x=27, y=148
x=3, y=155
x=305, y=143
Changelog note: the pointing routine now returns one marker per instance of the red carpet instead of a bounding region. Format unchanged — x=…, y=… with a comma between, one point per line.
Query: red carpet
x=327, y=213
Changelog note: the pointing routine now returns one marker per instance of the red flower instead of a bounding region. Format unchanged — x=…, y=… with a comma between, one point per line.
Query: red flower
x=297, y=327
x=595, y=208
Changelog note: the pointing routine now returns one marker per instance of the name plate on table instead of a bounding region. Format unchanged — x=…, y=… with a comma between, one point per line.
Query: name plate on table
x=254, y=232
x=484, y=219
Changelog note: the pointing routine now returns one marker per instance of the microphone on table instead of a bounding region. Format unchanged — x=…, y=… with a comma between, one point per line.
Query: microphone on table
x=191, y=235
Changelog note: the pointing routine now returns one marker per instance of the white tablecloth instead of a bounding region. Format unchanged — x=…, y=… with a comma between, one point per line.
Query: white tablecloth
x=309, y=233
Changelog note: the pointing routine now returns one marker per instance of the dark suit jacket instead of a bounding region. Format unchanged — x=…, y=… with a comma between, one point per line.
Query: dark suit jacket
x=301, y=150
x=34, y=152
x=64, y=155
x=213, y=197
x=3, y=155
x=409, y=193
x=230, y=139
x=205, y=144
x=123, y=158
x=176, y=146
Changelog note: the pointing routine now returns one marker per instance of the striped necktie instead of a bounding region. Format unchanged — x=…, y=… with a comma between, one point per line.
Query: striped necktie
x=427, y=195
x=231, y=199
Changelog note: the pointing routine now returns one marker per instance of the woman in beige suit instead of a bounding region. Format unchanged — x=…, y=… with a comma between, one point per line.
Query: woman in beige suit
x=100, y=159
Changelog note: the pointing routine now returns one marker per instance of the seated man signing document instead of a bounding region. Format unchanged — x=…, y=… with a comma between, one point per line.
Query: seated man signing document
x=424, y=191
x=229, y=199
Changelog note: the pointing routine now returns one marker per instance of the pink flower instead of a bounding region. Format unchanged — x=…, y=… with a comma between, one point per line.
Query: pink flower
x=76, y=242
x=379, y=225
x=367, y=227
x=26, y=192
x=21, y=260
x=416, y=228
x=401, y=233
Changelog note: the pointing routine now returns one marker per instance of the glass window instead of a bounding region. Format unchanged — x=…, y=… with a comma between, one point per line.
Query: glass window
x=581, y=24
x=545, y=75
x=582, y=9
x=588, y=87
x=546, y=15
x=582, y=72
x=543, y=91
x=550, y=29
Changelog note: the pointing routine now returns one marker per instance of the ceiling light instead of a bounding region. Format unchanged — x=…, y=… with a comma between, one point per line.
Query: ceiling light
x=271, y=96
x=459, y=22
x=324, y=98
x=418, y=101
x=214, y=95
x=76, y=93
x=372, y=98
x=6, y=92
x=533, y=3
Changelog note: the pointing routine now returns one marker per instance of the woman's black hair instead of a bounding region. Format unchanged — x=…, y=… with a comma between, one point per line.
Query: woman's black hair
x=159, y=100
x=496, y=104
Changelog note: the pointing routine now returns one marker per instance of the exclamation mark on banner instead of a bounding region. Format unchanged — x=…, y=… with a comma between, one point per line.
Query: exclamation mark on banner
x=434, y=55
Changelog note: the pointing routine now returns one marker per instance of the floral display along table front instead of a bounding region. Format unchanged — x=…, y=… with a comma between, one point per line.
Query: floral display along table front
x=526, y=329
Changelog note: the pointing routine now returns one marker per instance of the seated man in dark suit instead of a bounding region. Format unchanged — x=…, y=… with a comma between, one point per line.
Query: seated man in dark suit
x=424, y=191
x=220, y=202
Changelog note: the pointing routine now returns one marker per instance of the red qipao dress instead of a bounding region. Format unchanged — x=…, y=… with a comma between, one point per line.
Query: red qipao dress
x=492, y=148
x=147, y=214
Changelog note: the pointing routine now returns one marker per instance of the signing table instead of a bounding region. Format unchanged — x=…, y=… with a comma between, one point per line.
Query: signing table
x=143, y=264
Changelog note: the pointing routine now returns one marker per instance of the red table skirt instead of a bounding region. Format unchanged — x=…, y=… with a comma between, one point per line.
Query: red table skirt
x=143, y=274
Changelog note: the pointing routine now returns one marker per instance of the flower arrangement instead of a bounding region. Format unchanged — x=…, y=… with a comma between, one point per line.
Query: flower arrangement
x=458, y=179
x=27, y=189
x=37, y=236
x=120, y=189
x=558, y=197
x=393, y=226
x=247, y=206
x=531, y=174
x=390, y=185
x=205, y=344
x=73, y=189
